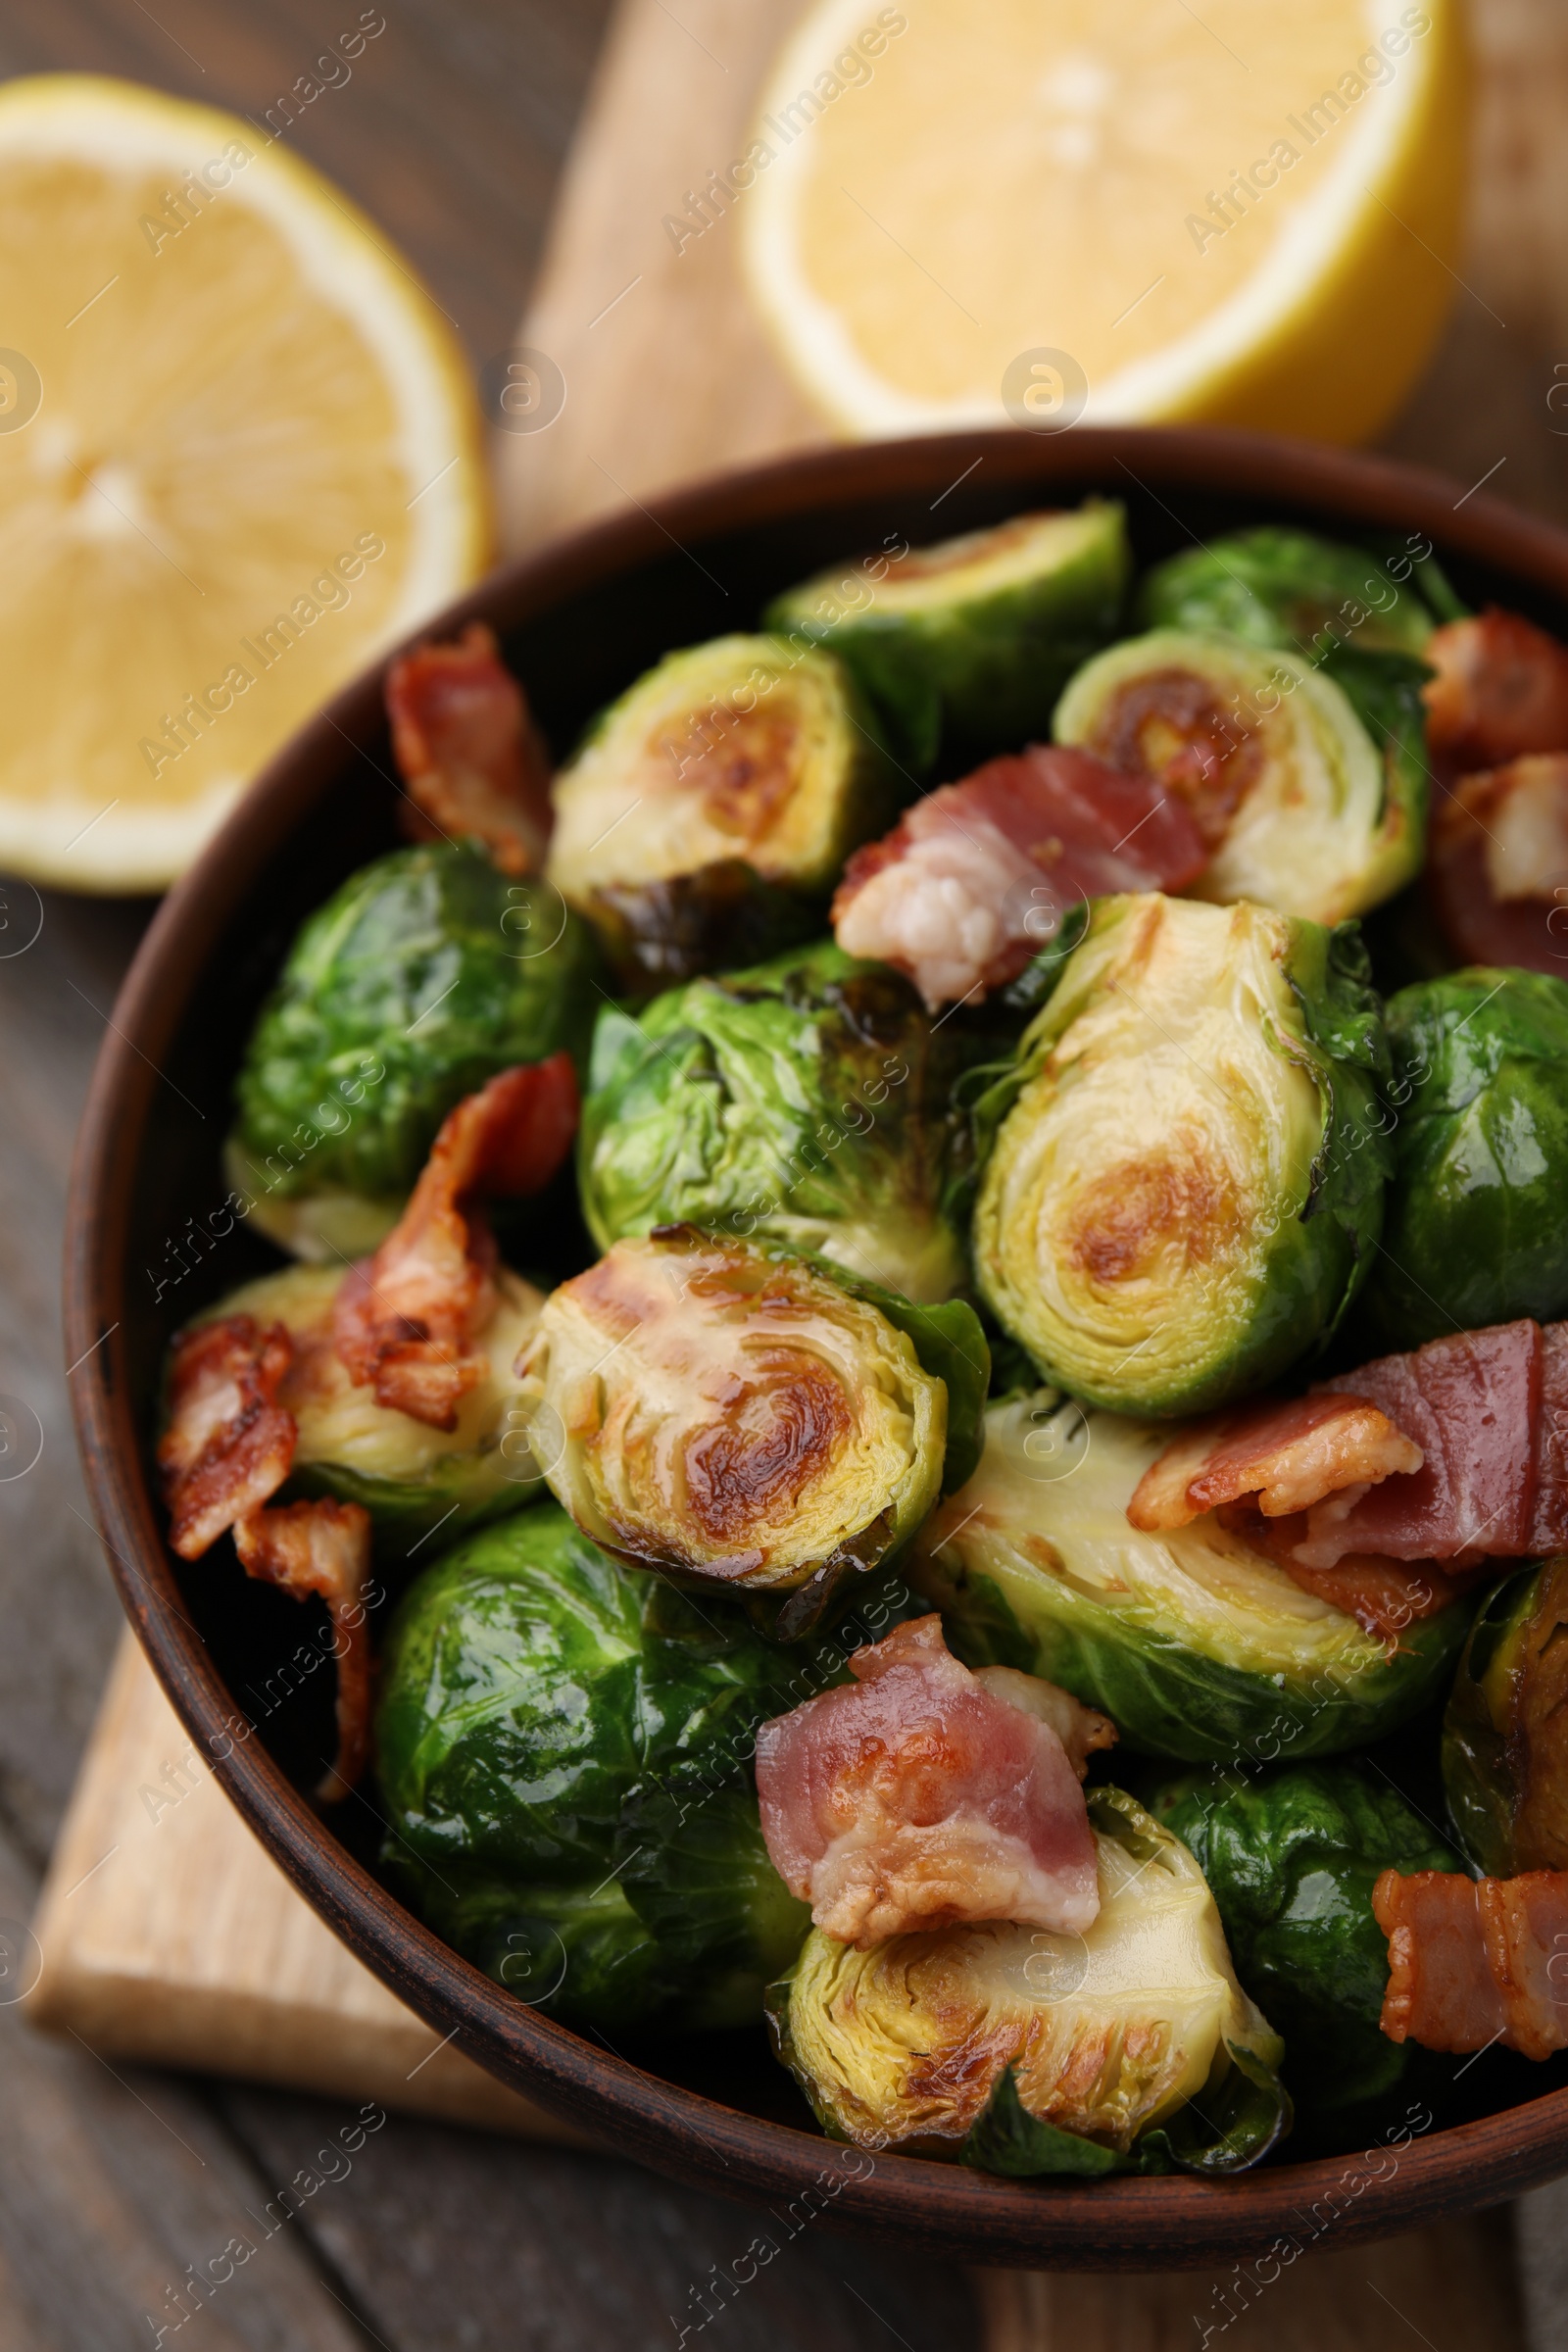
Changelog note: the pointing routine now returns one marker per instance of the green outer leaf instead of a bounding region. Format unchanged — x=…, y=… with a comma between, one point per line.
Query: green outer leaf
x=551, y=1721
x=1006, y=2138
x=982, y=668
x=1167, y=1699
x=808, y=1100
x=1476, y=1229
x=1275, y=586
x=1292, y=1858
x=1478, y=1778
x=423, y=964
x=1317, y=1259
x=1245, y=2111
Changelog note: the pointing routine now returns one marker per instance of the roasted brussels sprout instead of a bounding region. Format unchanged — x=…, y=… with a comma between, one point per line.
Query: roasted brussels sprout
x=1476, y=1217
x=1505, y=1733
x=565, y=1750
x=730, y=1415
x=410, y=1476
x=421, y=977
x=809, y=1099
x=965, y=646
x=1195, y=1644
x=1185, y=1192
x=654, y=935
x=1291, y=1858
x=743, y=747
x=1302, y=809
x=1022, y=2051
x=1278, y=587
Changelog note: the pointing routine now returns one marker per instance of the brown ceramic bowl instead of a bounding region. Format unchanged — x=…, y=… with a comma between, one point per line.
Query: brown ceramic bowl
x=580, y=620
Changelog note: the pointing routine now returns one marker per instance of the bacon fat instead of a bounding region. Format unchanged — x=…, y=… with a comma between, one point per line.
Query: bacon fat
x=468, y=749
x=1288, y=1455
x=407, y=1319
x=228, y=1444
x=1472, y=1962
x=926, y=1795
x=975, y=879
x=324, y=1549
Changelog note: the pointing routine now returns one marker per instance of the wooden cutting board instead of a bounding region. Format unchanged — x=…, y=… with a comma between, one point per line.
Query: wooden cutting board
x=165, y=1933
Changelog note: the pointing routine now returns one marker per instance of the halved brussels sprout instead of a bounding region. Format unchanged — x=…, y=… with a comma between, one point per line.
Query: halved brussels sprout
x=564, y=1748
x=1028, y=2052
x=1186, y=1190
x=1476, y=1217
x=410, y=1476
x=965, y=646
x=1292, y=1858
x=1195, y=1644
x=1505, y=1733
x=743, y=748
x=733, y=1417
x=809, y=1099
x=1302, y=810
x=424, y=975
x=1279, y=587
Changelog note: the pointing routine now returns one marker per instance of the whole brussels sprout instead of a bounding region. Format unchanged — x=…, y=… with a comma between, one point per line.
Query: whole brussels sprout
x=1195, y=1645
x=410, y=1476
x=1279, y=587
x=564, y=1748
x=424, y=975
x=809, y=1099
x=743, y=1420
x=1292, y=1858
x=1131, y=2047
x=1305, y=809
x=1476, y=1217
x=743, y=748
x=1185, y=1184
x=964, y=647
x=1505, y=1733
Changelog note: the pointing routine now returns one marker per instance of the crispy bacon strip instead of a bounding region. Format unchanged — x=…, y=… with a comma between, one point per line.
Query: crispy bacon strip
x=1498, y=861
x=407, y=1319
x=926, y=1795
x=1288, y=1455
x=1475, y=1962
x=975, y=879
x=1501, y=689
x=228, y=1444
x=468, y=751
x=324, y=1547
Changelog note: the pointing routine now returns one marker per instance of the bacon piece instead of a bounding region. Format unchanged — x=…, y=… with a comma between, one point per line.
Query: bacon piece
x=324, y=1547
x=1384, y=1596
x=468, y=751
x=406, y=1320
x=1472, y=1403
x=975, y=879
x=1475, y=1962
x=1288, y=1455
x=1501, y=689
x=1548, y=1527
x=926, y=1795
x=228, y=1444
x=1498, y=869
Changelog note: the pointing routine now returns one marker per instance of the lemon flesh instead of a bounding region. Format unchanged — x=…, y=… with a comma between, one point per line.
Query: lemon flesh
x=238, y=457
x=1244, y=215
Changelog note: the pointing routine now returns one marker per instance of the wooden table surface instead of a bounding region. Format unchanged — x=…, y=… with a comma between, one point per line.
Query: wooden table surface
x=115, y=2184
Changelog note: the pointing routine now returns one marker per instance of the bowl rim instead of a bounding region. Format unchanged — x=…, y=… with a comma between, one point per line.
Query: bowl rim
x=1124, y=2223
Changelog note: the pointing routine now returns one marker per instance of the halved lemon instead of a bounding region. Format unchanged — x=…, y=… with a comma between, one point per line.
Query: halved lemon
x=239, y=454
x=1240, y=212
